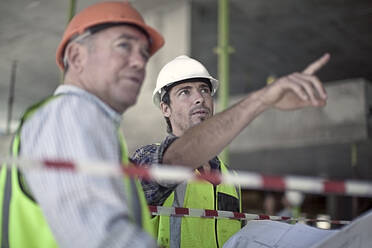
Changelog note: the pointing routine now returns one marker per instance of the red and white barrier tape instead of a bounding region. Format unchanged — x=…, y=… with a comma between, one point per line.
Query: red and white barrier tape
x=176, y=174
x=207, y=213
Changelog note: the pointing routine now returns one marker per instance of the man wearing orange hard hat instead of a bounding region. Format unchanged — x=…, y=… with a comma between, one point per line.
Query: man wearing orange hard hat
x=103, y=54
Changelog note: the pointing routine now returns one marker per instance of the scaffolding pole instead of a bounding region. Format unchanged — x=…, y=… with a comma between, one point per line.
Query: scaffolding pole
x=11, y=96
x=223, y=51
x=72, y=10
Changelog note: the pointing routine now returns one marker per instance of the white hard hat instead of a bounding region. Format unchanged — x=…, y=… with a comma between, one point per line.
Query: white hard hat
x=178, y=69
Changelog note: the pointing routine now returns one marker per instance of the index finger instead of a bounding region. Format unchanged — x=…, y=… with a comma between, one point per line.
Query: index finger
x=315, y=66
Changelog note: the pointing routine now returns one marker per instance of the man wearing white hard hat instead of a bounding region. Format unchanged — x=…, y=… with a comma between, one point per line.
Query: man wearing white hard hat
x=186, y=90
x=183, y=92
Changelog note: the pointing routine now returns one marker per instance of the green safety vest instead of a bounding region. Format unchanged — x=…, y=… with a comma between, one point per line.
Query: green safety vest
x=22, y=221
x=194, y=232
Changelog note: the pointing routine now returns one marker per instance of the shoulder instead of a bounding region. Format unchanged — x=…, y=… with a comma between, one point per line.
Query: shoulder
x=218, y=163
x=152, y=154
x=69, y=110
x=75, y=105
x=70, y=126
x=146, y=154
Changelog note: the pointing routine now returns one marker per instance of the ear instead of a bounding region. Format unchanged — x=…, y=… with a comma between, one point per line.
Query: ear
x=165, y=108
x=76, y=56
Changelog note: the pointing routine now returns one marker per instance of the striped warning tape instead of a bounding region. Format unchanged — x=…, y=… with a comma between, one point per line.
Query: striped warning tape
x=208, y=213
x=166, y=173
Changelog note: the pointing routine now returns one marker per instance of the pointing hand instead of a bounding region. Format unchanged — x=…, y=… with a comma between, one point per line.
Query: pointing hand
x=297, y=90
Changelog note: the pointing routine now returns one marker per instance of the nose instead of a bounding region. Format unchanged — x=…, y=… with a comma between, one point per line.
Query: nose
x=137, y=60
x=199, y=98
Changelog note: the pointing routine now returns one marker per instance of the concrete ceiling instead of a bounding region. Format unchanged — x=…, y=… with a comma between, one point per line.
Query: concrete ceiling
x=278, y=37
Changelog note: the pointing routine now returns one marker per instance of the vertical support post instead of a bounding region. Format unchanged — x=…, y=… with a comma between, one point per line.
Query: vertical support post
x=11, y=95
x=223, y=51
x=72, y=10
x=354, y=162
x=296, y=212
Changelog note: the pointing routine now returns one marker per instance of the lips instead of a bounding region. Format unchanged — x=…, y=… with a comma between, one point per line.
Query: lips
x=134, y=79
x=200, y=112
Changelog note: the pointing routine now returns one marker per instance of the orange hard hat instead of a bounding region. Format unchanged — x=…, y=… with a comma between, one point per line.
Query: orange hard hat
x=102, y=13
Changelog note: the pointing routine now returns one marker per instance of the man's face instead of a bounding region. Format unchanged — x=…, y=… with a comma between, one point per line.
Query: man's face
x=115, y=66
x=190, y=104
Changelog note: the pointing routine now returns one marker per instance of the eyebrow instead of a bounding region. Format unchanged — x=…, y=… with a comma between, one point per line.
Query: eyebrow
x=202, y=86
x=184, y=88
x=127, y=36
x=131, y=37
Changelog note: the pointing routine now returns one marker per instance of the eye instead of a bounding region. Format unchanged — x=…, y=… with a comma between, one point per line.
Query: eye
x=184, y=92
x=206, y=90
x=124, y=45
x=145, y=54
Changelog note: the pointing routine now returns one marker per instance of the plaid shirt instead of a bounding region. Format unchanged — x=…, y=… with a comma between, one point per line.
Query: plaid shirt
x=156, y=193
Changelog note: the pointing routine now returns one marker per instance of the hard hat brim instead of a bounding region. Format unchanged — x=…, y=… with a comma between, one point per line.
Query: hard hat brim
x=106, y=13
x=156, y=94
x=156, y=40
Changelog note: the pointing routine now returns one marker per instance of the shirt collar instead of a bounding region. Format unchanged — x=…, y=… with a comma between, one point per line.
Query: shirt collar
x=72, y=89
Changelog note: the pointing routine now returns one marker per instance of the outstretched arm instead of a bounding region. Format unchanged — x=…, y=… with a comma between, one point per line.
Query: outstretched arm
x=204, y=141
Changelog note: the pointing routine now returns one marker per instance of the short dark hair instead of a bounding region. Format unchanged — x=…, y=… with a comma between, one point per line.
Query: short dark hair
x=166, y=97
x=166, y=100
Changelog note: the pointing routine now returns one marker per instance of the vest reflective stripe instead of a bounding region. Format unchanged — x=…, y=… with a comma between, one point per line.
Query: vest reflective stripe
x=23, y=224
x=197, y=232
x=140, y=210
x=6, y=187
x=130, y=186
x=24, y=216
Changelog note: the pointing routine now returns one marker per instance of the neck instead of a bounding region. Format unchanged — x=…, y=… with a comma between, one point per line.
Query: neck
x=81, y=86
x=177, y=132
x=72, y=79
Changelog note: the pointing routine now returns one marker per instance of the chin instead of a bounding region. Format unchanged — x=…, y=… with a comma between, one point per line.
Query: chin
x=129, y=98
x=194, y=123
x=131, y=103
x=201, y=119
x=127, y=104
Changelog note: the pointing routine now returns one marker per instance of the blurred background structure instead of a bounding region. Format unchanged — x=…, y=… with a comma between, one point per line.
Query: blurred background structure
x=269, y=39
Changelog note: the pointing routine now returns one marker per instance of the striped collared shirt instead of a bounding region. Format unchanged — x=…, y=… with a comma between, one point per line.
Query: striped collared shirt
x=81, y=210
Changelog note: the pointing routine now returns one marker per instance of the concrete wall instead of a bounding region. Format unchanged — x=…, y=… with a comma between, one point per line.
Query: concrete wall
x=332, y=142
x=5, y=144
x=342, y=120
x=274, y=38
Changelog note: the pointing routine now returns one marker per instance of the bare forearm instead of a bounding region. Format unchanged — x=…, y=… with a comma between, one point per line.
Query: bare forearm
x=204, y=141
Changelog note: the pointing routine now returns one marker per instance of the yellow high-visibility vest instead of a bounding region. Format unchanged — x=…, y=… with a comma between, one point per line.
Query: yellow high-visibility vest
x=24, y=223
x=191, y=232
